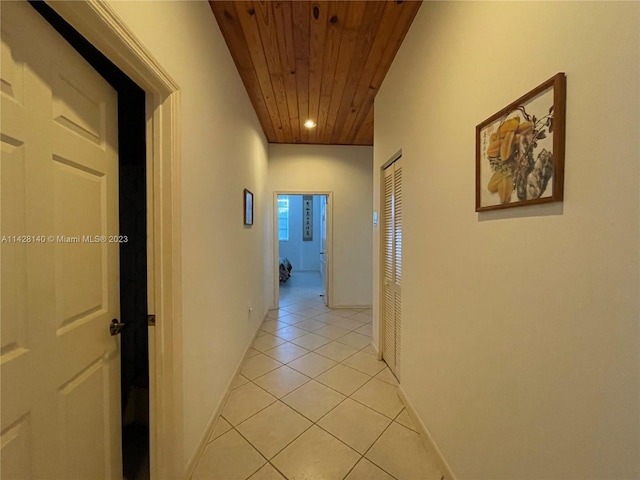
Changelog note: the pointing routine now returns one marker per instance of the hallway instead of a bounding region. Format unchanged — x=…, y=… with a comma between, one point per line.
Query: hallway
x=313, y=402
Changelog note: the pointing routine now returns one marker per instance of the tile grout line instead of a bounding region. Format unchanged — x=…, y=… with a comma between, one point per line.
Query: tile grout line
x=309, y=378
x=315, y=378
x=375, y=441
x=394, y=420
x=362, y=455
x=314, y=351
x=233, y=427
x=315, y=423
x=262, y=454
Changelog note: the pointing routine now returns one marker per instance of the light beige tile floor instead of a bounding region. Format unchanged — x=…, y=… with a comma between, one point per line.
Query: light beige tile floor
x=313, y=402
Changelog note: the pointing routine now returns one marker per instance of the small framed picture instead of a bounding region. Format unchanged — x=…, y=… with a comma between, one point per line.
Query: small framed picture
x=520, y=150
x=248, y=207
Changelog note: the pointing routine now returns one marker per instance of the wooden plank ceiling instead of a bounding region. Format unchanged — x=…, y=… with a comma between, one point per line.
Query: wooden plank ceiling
x=317, y=60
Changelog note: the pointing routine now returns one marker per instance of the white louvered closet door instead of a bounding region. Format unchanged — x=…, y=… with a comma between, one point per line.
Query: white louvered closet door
x=392, y=266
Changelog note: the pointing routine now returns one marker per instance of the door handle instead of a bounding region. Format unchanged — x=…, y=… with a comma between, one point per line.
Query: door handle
x=115, y=328
x=322, y=253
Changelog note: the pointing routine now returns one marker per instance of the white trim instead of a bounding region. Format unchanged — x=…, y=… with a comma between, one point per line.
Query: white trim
x=104, y=29
x=276, y=245
x=352, y=307
x=213, y=419
x=101, y=25
x=396, y=156
x=425, y=436
x=377, y=353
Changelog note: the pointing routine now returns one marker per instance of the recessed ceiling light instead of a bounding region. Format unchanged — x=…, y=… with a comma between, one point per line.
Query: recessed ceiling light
x=309, y=123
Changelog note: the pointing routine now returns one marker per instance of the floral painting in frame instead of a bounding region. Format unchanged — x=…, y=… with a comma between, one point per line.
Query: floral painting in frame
x=520, y=150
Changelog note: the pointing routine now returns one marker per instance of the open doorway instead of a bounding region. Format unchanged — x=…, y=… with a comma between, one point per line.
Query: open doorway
x=303, y=247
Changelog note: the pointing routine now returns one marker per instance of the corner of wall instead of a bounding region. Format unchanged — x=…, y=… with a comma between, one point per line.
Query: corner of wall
x=429, y=443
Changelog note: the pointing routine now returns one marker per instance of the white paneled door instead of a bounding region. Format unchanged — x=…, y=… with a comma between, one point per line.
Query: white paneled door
x=59, y=290
x=392, y=266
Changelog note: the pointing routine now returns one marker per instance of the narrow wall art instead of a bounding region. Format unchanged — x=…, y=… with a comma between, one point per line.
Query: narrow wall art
x=248, y=207
x=307, y=218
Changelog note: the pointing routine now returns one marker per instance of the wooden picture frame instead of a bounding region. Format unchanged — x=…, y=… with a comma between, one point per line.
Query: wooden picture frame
x=248, y=207
x=520, y=150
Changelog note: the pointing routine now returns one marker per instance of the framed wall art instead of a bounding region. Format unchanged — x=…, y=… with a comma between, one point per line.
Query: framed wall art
x=520, y=150
x=248, y=207
x=307, y=218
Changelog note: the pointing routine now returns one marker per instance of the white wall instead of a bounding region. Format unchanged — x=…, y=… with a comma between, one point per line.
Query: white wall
x=521, y=326
x=345, y=171
x=303, y=255
x=225, y=269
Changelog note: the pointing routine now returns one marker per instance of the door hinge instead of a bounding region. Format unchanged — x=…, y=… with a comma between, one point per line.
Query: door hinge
x=151, y=320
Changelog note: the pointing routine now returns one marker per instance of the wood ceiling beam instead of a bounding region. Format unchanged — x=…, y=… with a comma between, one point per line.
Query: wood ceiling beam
x=404, y=21
x=286, y=46
x=335, y=28
x=371, y=21
x=344, y=60
x=324, y=60
x=300, y=13
x=318, y=30
x=227, y=18
x=265, y=20
x=363, y=97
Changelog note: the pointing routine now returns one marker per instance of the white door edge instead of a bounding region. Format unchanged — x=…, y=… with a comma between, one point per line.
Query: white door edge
x=103, y=28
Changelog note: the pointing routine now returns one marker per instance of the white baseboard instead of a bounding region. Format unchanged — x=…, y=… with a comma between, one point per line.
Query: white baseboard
x=353, y=307
x=426, y=437
x=193, y=461
x=336, y=307
x=377, y=351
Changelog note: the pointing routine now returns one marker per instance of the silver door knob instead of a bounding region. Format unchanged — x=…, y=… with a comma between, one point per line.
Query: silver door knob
x=115, y=328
